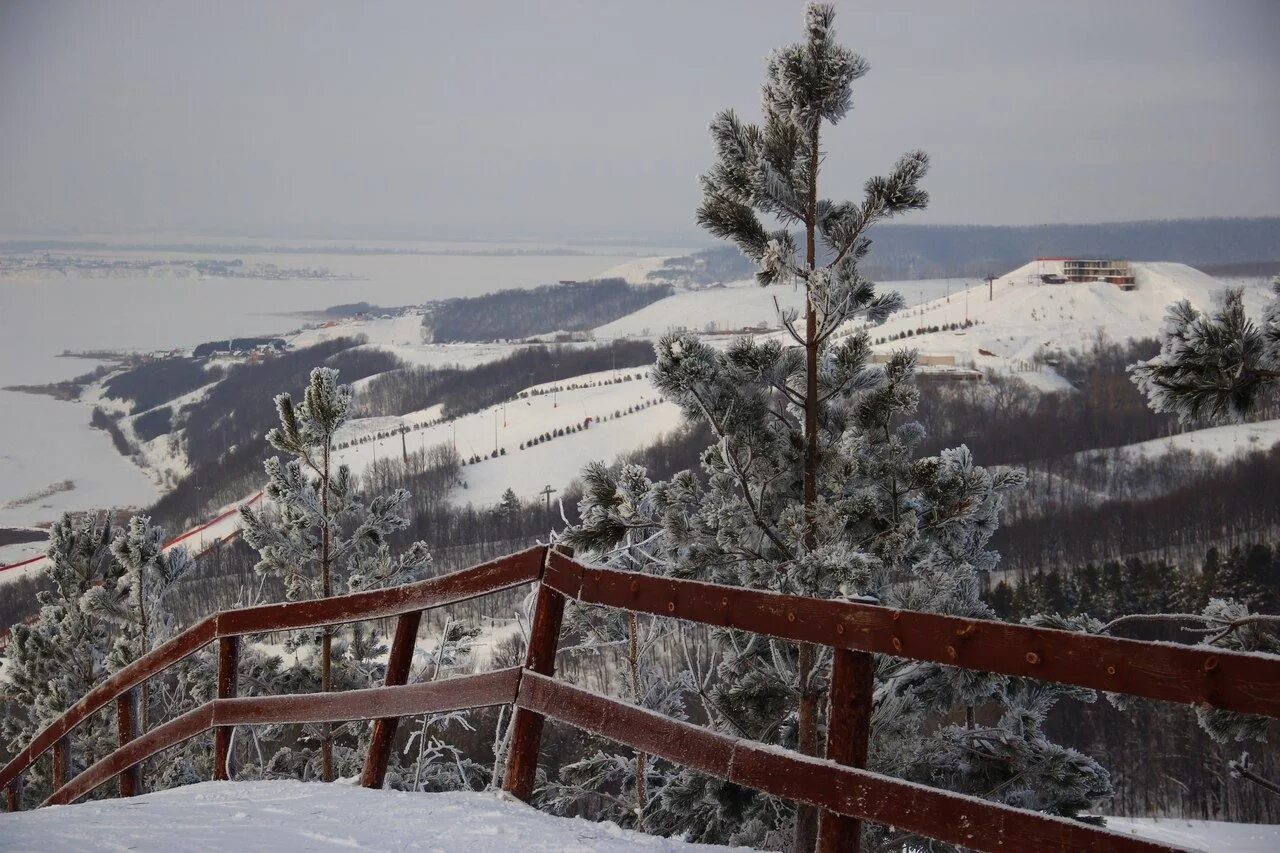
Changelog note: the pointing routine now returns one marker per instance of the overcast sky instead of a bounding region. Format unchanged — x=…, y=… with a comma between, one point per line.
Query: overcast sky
x=588, y=120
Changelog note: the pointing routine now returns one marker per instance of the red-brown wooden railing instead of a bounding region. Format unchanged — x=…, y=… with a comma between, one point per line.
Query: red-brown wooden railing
x=838, y=785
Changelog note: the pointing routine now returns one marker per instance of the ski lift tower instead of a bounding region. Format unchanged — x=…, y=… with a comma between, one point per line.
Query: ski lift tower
x=991, y=286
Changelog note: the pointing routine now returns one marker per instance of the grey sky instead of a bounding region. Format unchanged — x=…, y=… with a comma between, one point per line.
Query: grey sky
x=567, y=120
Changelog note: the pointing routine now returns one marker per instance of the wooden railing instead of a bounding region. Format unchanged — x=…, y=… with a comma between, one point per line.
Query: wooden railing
x=838, y=784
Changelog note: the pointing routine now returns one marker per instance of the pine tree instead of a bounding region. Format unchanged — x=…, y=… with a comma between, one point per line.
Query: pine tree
x=1214, y=367
x=814, y=487
x=138, y=601
x=51, y=663
x=321, y=530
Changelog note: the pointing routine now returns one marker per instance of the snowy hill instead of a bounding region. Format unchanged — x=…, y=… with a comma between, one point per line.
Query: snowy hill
x=613, y=430
x=1016, y=318
x=731, y=307
x=1020, y=315
x=295, y=816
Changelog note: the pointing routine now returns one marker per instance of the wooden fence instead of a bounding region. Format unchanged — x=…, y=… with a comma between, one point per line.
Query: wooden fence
x=838, y=785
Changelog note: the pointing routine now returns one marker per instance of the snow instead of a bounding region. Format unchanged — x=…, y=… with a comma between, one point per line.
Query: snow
x=738, y=305
x=637, y=271
x=1223, y=442
x=296, y=816
x=1023, y=316
x=1202, y=834
x=555, y=462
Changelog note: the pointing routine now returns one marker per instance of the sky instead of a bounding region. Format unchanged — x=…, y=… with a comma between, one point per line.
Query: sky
x=587, y=121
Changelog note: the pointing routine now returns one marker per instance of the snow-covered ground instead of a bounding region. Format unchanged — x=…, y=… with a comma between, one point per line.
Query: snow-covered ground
x=294, y=816
x=507, y=425
x=1019, y=315
x=1223, y=442
x=1208, y=835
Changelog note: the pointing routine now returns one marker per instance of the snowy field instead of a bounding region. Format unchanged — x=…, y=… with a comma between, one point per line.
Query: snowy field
x=507, y=425
x=294, y=816
x=743, y=304
x=1223, y=442
x=1019, y=315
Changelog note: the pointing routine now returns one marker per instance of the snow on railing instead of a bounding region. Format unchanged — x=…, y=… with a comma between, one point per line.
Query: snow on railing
x=838, y=785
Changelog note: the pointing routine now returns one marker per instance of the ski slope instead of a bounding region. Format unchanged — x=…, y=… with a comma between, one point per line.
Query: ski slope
x=734, y=306
x=286, y=816
x=1020, y=316
x=505, y=426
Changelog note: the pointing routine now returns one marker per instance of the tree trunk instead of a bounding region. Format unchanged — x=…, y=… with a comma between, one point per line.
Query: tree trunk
x=326, y=649
x=806, y=833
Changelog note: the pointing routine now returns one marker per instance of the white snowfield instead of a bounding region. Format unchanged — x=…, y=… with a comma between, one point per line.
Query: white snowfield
x=507, y=425
x=1019, y=315
x=1222, y=442
x=736, y=306
x=282, y=817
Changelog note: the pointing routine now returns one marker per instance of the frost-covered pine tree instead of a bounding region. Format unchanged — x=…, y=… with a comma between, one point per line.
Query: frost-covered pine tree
x=1215, y=366
x=52, y=662
x=318, y=533
x=137, y=603
x=814, y=487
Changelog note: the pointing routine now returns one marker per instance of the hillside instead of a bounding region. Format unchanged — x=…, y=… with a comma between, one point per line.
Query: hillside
x=1020, y=316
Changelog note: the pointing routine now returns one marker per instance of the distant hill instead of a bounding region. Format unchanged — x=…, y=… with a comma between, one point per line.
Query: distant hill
x=514, y=314
x=901, y=252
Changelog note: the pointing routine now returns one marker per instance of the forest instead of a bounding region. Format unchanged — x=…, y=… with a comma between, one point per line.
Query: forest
x=516, y=314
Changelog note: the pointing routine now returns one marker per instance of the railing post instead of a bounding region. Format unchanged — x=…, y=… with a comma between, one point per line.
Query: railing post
x=399, y=662
x=61, y=758
x=126, y=730
x=228, y=678
x=13, y=795
x=848, y=737
x=526, y=725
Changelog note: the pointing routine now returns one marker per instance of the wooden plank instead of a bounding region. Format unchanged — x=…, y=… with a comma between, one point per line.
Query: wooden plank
x=848, y=739
x=690, y=745
x=172, y=733
x=451, y=694
x=191, y=640
x=228, y=686
x=384, y=729
x=961, y=820
x=13, y=795
x=527, y=724
x=503, y=573
x=61, y=761
x=1235, y=681
x=130, y=780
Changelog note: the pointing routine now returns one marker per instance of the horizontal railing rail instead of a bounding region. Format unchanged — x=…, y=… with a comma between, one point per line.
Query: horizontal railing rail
x=842, y=789
x=1195, y=675
x=503, y=573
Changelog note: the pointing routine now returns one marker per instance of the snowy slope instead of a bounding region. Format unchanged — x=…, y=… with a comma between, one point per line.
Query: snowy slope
x=506, y=426
x=1223, y=442
x=295, y=816
x=1020, y=315
x=637, y=271
x=737, y=305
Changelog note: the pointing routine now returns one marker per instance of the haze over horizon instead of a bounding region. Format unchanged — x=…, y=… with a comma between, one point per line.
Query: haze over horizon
x=588, y=121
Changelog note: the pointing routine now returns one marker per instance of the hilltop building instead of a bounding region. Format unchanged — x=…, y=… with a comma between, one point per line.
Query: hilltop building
x=1111, y=270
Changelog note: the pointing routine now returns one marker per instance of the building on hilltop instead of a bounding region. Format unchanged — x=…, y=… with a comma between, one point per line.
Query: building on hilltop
x=1110, y=270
